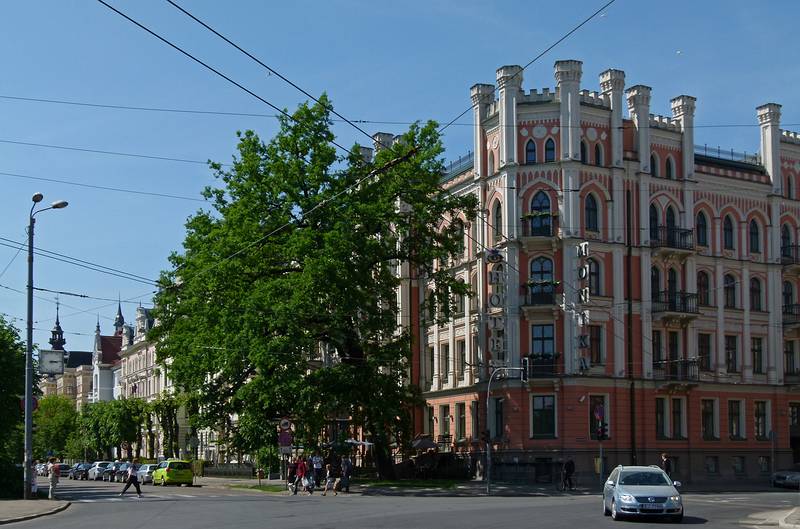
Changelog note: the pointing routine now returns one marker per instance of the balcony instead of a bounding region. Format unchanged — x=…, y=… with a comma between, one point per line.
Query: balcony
x=539, y=233
x=544, y=366
x=790, y=257
x=681, y=370
x=539, y=299
x=669, y=240
x=791, y=375
x=676, y=306
x=791, y=316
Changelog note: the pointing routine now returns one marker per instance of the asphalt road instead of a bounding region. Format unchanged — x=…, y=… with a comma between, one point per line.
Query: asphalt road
x=97, y=505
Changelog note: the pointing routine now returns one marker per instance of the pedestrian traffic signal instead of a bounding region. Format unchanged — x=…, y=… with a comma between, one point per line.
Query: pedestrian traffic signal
x=602, y=431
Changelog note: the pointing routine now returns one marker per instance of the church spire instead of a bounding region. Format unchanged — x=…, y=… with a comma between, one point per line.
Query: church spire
x=57, y=340
x=119, y=321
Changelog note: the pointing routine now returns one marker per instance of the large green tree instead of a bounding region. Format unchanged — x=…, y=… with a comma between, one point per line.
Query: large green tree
x=12, y=387
x=55, y=419
x=301, y=254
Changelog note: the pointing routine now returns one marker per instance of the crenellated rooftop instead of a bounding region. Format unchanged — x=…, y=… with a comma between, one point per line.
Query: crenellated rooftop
x=534, y=96
x=595, y=98
x=665, y=123
x=790, y=137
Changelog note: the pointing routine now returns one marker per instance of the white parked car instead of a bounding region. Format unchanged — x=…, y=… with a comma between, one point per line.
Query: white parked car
x=97, y=469
x=145, y=473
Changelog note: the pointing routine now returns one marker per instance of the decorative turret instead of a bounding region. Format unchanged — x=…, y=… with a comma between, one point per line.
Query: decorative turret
x=612, y=83
x=57, y=340
x=769, y=117
x=509, y=86
x=639, y=108
x=119, y=321
x=568, y=80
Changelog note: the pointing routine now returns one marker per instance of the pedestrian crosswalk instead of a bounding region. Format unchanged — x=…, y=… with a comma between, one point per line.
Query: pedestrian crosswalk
x=149, y=497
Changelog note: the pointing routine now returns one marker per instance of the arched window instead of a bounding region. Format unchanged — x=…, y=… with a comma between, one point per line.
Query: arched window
x=549, y=150
x=491, y=163
x=584, y=156
x=672, y=232
x=755, y=294
x=703, y=297
x=541, y=221
x=590, y=213
x=653, y=165
x=598, y=154
x=530, y=152
x=669, y=170
x=755, y=238
x=701, y=227
x=729, y=286
x=460, y=228
x=655, y=282
x=653, y=222
x=541, y=282
x=727, y=233
x=498, y=221
x=786, y=241
x=594, y=277
x=788, y=295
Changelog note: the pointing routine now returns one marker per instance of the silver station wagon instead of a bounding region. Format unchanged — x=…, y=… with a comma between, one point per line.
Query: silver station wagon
x=641, y=492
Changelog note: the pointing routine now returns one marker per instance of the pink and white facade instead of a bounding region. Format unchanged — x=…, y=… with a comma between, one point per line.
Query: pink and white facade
x=711, y=341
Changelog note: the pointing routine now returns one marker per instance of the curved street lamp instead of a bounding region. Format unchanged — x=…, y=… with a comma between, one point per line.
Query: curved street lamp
x=59, y=204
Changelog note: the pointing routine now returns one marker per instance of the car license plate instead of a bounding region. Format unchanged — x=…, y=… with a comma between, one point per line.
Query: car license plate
x=651, y=506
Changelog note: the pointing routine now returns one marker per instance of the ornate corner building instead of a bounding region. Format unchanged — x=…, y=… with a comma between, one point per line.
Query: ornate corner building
x=644, y=283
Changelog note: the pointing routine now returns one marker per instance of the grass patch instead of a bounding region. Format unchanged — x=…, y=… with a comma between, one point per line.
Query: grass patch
x=444, y=484
x=262, y=488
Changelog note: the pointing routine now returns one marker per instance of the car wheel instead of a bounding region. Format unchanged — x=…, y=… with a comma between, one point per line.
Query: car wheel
x=615, y=514
x=606, y=512
x=163, y=482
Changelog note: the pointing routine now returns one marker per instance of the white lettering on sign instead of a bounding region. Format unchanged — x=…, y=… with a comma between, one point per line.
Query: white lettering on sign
x=583, y=341
x=583, y=295
x=583, y=318
x=496, y=277
x=583, y=272
x=582, y=249
x=496, y=344
x=497, y=322
x=495, y=301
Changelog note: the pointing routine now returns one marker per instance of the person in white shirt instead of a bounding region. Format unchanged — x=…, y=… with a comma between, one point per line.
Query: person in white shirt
x=53, y=472
x=132, y=478
x=317, y=461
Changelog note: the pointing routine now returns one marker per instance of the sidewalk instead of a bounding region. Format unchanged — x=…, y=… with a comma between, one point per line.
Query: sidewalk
x=19, y=510
x=792, y=520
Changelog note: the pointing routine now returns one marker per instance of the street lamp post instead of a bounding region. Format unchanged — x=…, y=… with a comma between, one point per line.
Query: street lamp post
x=523, y=371
x=28, y=471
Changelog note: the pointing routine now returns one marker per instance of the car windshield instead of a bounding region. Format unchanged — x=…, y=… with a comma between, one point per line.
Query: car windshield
x=176, y=465
x=643, y=478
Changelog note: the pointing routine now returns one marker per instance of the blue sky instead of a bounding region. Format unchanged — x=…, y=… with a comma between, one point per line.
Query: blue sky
x=386, y=61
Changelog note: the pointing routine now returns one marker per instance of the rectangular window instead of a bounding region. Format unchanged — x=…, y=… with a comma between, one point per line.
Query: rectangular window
x=473, y=410
x=429, y=423
x=761, y=417
x=737, y=463
x=677, y=419
x=444, y=354
x=731, y=354
x=661, y=418
x=597, y=413
x=658, y=351
x=704, y=351
x=708, y=419
x=499, y=427
x=764, y=464
x=794, y=414
x=444, y=420
x=757, y=346
x=543, y=417
x=789, y=365
x=461, y=347
x=461, y=421
x=596, y=345
x=431, y=362
x=712, y=465
x=735, y=419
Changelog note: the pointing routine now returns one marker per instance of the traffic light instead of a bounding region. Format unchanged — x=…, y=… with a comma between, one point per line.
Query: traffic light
x=524, y=372
x=602, y=431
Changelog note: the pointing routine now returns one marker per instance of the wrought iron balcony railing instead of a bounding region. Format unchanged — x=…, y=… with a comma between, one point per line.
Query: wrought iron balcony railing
x=675, y=301
x=676, y=370
x=790, y=255
x=538, y=227
x=791, y=314
x=671, y=237
x=544, y=365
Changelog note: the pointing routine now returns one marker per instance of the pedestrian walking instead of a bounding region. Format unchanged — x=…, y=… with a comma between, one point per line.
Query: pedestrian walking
x=666, y=464
x=300, y=474
x=52, y=474
x=329, y=481
x=347, y=472
x=132, y=479
x=316, y=461
x=569, y=470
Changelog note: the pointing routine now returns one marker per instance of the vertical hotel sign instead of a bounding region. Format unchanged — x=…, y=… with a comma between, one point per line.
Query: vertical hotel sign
x=497, y=322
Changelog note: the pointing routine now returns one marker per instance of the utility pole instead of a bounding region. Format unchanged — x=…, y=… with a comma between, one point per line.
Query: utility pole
x=524, y=377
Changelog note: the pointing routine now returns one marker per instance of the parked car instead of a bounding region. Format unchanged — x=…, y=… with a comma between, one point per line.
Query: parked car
x=63, y=469
x=641, y=491
x=788, y=478
x=122, y=473
x=173, y=472
x=95, y=472
x=110, y=471
x=145, y=473
x=82, y=472
x=74, y=469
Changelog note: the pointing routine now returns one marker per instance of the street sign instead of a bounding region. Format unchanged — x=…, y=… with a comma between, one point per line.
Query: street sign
x=285, y=450
x=51, y=362
x=285, y=424
x=285, y=438
x=599, y=412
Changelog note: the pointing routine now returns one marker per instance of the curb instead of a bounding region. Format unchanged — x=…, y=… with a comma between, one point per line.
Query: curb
x=37, y=515
x=784, y=524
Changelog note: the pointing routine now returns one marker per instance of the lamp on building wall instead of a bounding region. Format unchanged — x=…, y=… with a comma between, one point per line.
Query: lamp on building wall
x=60, y=204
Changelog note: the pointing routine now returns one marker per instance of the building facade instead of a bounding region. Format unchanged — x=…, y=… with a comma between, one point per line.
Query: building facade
x=645, y=285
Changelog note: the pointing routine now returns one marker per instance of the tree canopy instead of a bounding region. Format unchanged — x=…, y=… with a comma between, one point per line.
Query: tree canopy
x=298, y=262
x=55, y=419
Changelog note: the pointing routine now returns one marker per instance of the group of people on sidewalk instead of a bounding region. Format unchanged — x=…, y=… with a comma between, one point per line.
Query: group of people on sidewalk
x=54, y=472
x=308, y=473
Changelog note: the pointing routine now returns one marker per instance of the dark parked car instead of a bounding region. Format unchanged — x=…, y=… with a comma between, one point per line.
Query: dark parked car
x=788, y=478
x=122, y=472
x=110, y=471
x=63, y=470
x=77, y=470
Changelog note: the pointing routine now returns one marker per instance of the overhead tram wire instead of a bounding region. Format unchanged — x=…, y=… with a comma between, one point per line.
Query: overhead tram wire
x=82, y=296
x=21, y=246
x=103, y=188
x=556, y=43
x=209, y=67
x=270, y=69
x=99, y=307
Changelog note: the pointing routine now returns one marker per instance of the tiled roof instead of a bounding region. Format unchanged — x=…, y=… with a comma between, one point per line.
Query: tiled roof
x=110, y=346
x=78, y=358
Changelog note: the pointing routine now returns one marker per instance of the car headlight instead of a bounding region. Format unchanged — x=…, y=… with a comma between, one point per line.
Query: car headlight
x=676, y=499
x=627, y=498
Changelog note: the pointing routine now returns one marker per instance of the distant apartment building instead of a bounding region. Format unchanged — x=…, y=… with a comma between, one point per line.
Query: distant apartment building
x=645, y=283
